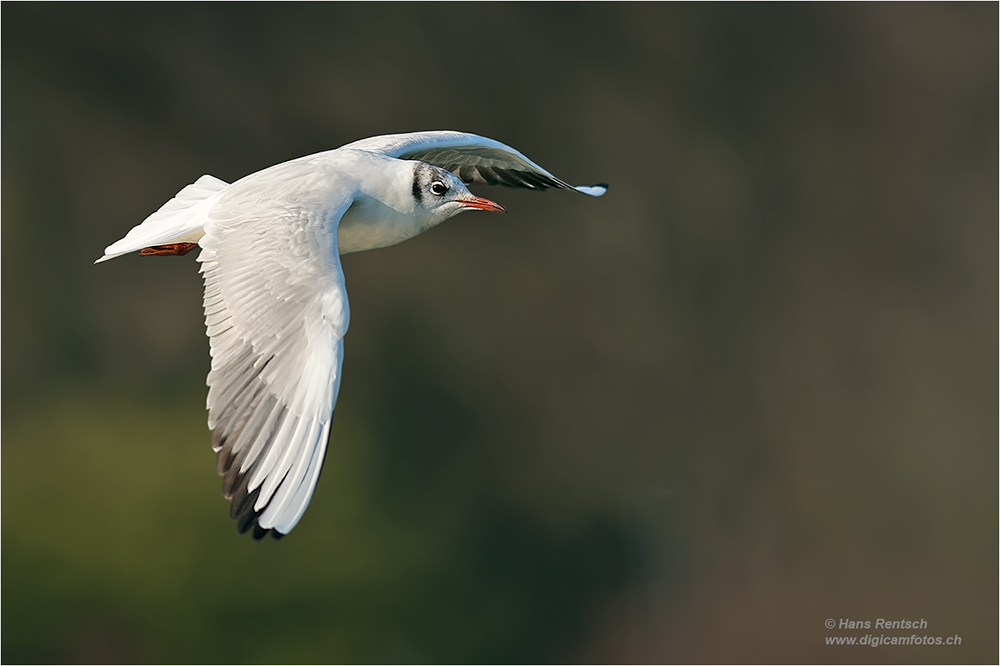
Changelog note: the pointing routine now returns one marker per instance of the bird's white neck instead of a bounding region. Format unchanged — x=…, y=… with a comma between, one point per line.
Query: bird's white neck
x=384, y=212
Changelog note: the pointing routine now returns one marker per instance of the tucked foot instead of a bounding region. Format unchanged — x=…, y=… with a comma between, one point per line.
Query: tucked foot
x=173, y=248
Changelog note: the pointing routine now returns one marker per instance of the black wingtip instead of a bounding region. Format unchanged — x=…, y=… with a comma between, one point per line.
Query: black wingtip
x=259, y=533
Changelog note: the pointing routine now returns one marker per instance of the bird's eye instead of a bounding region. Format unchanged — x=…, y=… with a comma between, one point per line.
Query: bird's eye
x=438, y=188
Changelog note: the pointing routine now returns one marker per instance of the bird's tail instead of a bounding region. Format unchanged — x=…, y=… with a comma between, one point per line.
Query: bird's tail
x=180, y=220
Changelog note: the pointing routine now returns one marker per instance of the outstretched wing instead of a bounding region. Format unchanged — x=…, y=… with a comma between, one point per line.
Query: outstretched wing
x=473, y=158
x=276, y=312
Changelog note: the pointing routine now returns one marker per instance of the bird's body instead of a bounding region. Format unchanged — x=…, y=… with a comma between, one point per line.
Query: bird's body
x=275, y=304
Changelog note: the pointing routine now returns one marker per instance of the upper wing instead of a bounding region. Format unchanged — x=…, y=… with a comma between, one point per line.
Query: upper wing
x=473, y=158
x=276, y=312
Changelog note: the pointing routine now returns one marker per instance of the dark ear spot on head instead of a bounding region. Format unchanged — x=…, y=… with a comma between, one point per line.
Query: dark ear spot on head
x=417, y=193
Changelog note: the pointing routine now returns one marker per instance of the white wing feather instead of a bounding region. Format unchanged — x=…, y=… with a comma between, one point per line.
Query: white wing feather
x=473, y=158
x=276, y=312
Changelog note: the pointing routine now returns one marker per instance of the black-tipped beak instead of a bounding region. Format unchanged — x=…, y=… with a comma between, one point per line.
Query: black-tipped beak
x=478, y=203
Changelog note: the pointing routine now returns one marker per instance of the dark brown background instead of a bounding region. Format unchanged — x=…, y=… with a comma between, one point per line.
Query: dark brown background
x=752, y=388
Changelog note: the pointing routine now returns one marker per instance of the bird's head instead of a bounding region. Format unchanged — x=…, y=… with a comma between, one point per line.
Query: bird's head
x=441, y=194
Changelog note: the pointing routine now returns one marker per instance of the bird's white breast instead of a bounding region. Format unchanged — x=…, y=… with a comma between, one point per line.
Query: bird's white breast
x=370, y=223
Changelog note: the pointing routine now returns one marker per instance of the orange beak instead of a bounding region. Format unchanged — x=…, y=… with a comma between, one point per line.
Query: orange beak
x=478, y=203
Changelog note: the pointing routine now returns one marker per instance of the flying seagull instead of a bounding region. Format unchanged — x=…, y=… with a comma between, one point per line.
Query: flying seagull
x=275, y=302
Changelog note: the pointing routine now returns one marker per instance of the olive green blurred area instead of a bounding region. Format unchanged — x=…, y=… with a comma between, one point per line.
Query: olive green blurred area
x=752, y=388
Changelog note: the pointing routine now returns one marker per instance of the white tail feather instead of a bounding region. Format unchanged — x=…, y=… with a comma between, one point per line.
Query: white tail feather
x=180, y=220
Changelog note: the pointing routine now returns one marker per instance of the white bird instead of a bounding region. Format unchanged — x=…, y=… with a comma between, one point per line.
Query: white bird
x=275, y=302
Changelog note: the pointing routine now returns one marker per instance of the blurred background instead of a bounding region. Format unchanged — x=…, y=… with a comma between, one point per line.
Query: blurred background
x=752, y=388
